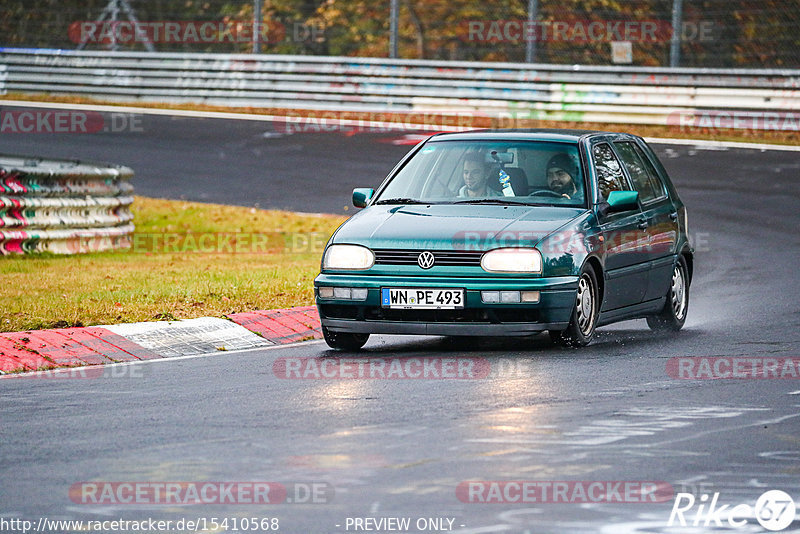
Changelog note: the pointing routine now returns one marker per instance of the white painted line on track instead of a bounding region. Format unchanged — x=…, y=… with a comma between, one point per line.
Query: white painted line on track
x=352, y=122
x=701, y=143
x=224, y=352
x=398, y=126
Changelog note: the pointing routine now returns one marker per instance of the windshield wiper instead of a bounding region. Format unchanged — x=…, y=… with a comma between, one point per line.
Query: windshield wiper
x=401, y=201
x=492, y=201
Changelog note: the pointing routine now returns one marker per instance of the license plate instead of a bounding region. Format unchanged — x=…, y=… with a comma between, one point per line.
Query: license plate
x=421, y=298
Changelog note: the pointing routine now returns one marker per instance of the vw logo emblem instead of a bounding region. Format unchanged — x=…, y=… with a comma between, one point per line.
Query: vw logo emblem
x=425, y=260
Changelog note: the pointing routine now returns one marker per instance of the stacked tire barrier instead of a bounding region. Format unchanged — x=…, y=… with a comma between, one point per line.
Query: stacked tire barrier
x=630, y=95
x=63, y=207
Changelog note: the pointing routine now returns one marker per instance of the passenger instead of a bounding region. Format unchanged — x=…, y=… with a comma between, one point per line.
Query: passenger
x=476, y=175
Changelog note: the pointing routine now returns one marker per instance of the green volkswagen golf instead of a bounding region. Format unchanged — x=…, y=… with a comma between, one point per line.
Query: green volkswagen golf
x=510, y=233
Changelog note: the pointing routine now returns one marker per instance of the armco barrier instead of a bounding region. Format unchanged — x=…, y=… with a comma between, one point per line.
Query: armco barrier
x=64, y=207
x=546, y=92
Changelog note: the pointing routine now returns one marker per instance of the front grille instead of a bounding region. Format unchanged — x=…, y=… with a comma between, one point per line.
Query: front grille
x=333, y=311
x=450, y=258
x=465, y=315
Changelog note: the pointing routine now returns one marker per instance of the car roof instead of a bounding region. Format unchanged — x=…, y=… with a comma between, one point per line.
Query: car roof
x=514, y=134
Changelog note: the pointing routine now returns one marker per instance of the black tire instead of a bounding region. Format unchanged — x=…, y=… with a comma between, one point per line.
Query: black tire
x=344, y=340
x=673, y=316
x=583, y=321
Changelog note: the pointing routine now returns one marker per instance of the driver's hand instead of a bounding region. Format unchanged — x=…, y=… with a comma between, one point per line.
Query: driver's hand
x=566, y=196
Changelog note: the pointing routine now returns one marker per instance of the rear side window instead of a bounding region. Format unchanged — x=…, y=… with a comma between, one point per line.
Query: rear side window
x=641, y=171
x=609, y=171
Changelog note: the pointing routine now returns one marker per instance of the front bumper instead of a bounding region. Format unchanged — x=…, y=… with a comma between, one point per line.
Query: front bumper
x=552, y=312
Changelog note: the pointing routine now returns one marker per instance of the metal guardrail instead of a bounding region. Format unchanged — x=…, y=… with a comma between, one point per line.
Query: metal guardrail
x=63, y=207
x=545, y=92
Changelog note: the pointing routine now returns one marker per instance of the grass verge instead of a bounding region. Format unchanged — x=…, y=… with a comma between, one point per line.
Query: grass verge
x=188, y=260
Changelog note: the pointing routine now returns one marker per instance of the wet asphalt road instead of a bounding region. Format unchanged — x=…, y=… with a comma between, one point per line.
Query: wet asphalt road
x=400, y=448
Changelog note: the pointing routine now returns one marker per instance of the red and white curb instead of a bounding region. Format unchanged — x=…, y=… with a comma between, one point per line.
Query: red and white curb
x=96, y=345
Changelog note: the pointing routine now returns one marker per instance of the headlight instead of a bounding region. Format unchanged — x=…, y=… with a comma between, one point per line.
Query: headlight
x=512, y=260
x=353, y=257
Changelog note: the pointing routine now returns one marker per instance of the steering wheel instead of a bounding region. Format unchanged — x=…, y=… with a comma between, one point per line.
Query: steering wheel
x=546, y=192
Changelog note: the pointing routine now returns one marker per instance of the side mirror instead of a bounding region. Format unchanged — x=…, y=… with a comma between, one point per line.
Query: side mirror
x=622, y=201
x=362, y=195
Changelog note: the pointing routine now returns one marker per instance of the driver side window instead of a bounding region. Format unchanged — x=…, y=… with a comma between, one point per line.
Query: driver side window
x=608, y=169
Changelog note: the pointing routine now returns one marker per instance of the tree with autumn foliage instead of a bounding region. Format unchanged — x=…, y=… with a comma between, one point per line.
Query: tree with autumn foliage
x=741, y=33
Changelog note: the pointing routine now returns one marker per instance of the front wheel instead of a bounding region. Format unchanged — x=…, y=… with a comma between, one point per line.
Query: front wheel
x=673, y=316
x=584, y=316
x=344, y=340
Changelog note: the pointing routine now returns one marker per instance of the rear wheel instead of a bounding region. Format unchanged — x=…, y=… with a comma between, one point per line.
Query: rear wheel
x=344, y=340
x=584, y=316
x=673, y=316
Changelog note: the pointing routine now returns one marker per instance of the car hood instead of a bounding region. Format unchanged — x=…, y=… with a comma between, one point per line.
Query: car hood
x=449, y=227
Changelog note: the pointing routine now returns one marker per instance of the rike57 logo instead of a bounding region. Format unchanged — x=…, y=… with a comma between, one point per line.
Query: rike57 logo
x=774, y=510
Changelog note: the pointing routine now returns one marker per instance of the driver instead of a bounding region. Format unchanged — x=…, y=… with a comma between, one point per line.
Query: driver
x=561, y=173
x=476, y=175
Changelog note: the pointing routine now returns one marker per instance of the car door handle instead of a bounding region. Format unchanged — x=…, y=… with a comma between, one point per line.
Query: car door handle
x=642, y=225
x=673, y=216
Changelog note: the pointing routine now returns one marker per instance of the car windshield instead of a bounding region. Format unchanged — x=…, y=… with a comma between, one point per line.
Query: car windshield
x=489, y=172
